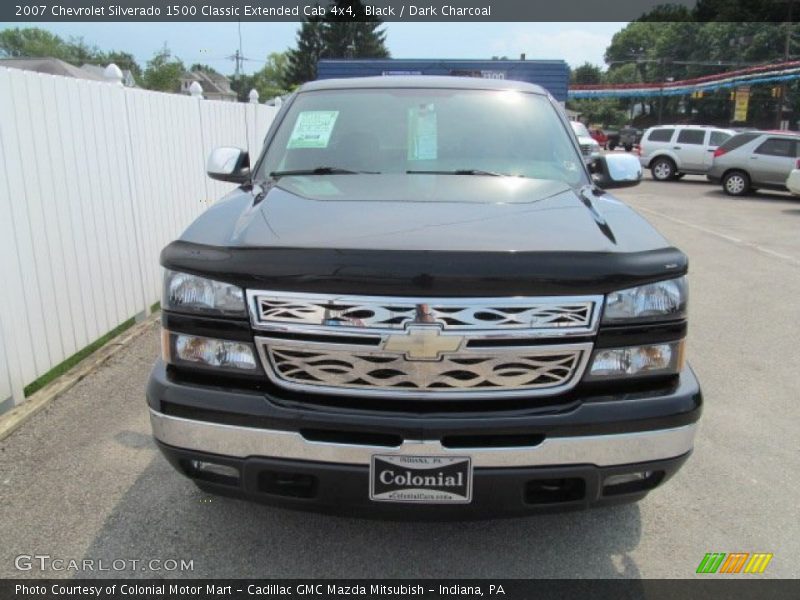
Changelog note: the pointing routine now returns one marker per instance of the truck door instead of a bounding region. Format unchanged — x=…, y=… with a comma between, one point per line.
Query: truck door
x=689, y=148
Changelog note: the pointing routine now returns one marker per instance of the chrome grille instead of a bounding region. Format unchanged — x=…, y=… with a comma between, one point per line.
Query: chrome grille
x=586, y=149
x=470, y=372
x=453, y=313
x=424, y=348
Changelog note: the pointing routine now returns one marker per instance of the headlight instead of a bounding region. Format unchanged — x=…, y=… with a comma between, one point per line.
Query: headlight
x=190, y=293
x=650, y=302
x=197, y=351
x=636, y=361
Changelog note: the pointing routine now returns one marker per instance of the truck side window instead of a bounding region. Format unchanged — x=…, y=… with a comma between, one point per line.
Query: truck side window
x=718, y=138
x=660, y=135
x=692, y=136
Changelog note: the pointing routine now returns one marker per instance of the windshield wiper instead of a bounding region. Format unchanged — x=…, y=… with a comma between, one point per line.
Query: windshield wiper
x=460, y=172
x=320, y=171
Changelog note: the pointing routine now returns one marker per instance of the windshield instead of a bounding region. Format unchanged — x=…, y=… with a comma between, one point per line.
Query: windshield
x=579, y=129
x=380, y=131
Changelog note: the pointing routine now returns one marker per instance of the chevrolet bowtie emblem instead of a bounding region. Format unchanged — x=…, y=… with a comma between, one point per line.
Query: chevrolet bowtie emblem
x=423, y=343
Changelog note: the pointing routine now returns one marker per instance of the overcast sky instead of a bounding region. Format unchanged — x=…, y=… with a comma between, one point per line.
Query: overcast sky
x=210, y=43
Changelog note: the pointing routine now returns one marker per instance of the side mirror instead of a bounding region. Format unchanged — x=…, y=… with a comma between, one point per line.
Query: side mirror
x=616, y=171
x=228, y=164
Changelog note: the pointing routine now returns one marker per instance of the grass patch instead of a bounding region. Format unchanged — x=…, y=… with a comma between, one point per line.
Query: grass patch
x=73, y=360
x=155, y=307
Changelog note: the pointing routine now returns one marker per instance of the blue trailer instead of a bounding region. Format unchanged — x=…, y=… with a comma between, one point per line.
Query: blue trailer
x=552, y=75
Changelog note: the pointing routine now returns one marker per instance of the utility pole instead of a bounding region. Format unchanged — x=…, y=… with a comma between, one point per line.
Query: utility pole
x=237, y=56
x=661, y=94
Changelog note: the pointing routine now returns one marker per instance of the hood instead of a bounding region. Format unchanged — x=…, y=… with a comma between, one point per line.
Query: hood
x=582, y=139
x=426, y=213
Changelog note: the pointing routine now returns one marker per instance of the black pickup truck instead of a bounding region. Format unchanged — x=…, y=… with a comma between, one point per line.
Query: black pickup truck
x=421, y=302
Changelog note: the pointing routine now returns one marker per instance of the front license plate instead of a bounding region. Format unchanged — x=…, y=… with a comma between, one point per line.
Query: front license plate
x=420, y=479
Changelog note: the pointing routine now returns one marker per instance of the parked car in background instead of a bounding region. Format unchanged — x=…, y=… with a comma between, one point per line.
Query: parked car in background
x=671, y=151
x=629, y=137
x=599, y=136
x=590, y=149
x=755, y=159
x=793, y=182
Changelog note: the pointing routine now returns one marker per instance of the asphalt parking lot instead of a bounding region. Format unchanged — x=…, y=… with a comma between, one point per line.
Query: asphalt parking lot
x=82, y=479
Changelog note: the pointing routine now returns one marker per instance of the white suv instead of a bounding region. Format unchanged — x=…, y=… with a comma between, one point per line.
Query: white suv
x=671, y=151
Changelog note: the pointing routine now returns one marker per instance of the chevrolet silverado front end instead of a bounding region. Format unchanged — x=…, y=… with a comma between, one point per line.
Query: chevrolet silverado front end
x=421, y=303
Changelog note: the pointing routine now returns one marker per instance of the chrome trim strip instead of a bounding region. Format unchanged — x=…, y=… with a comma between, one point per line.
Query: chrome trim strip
x=584, y=350
x=600, y=450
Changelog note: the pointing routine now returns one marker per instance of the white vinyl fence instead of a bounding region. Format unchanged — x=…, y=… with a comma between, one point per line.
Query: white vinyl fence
x=95, y=179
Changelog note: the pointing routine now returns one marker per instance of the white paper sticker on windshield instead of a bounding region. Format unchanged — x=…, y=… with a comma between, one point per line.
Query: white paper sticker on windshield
x=313, y=129
x=422, y=140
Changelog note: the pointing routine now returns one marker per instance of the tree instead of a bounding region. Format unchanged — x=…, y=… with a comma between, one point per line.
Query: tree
x=39, y=43
x=338, y=35
x=32, y=42
x=302, y=61
x=587, y=73
x=345, y=38
x=267, y=81
x=204, y=68
x=163, y=72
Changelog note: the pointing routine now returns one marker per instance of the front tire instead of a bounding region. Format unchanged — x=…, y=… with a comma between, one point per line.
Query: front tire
x=663, y=169
x=736, y=183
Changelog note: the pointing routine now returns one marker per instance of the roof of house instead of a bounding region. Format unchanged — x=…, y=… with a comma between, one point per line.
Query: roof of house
x=213, y=83
x=51, y=66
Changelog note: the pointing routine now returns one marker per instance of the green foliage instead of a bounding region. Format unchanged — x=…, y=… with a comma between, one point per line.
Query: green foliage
x=344, y=38
x=587, y=73
x=606, y=112
x=34, y=42
x=267, y=81
x=163, y=72
x=204, y=68
x=652, y=51
x=335, y=36
x=302, y=61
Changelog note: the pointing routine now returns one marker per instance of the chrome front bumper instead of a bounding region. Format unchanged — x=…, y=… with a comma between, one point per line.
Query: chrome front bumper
x=599, y=450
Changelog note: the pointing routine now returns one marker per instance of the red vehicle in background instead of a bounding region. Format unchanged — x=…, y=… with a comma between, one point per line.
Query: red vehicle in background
x=599, y=136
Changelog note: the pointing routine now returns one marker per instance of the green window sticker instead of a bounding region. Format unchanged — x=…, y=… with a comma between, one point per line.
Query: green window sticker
x=422, y=132
x=313, y=129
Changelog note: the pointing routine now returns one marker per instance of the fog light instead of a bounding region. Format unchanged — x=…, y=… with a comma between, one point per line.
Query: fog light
x=210, y=468
x=626, y=478
x=658, y=359
x=208, y=352
x=631, y=483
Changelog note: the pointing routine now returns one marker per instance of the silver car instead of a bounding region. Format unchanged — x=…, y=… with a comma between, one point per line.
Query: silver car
x=671, y=151
x=590, y=149
x=755, y=159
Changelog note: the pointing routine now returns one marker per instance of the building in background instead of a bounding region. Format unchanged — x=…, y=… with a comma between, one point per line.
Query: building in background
x=552, y=75
x=51, y=66
x=215, y=86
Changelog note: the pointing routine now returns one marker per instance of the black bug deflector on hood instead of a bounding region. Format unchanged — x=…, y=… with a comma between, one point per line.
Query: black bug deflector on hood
x=432, y=273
